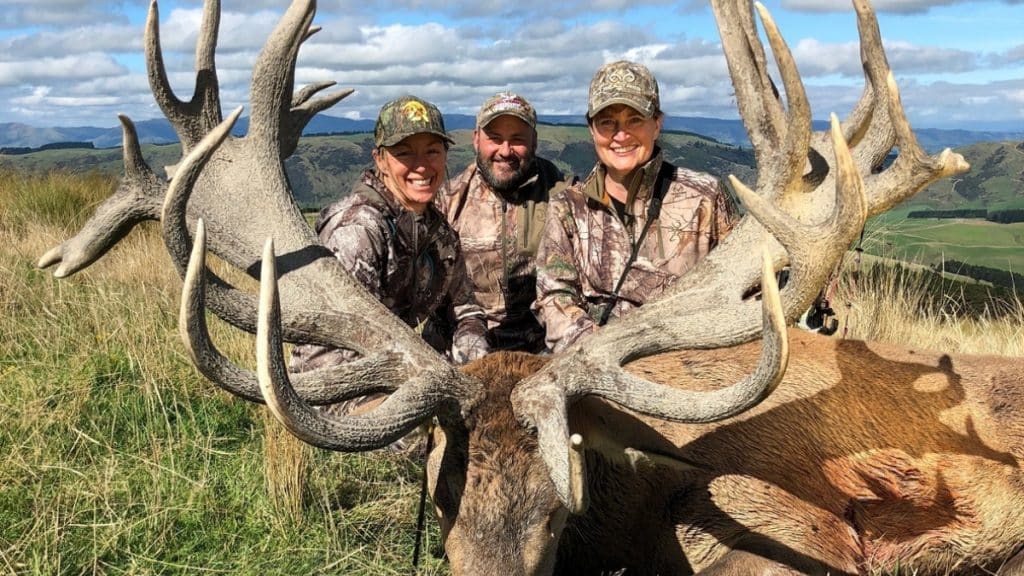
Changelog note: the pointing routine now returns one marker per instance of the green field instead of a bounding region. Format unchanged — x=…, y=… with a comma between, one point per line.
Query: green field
x=932, y=241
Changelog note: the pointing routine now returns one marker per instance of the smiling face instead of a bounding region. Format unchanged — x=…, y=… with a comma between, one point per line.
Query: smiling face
x=413, y=169
x=624, y=139
x=505, y=152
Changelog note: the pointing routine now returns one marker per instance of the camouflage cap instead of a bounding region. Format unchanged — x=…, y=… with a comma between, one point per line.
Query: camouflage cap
x=506, y=103
x=408, y=115
x=624, y=82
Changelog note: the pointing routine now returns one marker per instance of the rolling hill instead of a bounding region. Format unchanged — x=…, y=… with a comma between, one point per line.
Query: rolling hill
x=325, y=167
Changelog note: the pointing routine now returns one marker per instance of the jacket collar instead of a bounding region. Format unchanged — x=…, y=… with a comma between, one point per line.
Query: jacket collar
x=640, y=185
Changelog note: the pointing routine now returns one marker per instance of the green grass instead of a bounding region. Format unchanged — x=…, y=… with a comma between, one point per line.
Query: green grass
x=116, y=457
x=931, y=241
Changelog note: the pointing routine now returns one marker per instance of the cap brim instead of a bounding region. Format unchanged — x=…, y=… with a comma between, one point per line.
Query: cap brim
x=483, y=122
x=396, y=138
x=633, y=103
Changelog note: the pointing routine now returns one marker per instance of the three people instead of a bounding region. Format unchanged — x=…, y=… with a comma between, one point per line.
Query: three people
x=395, y=242
x=634, y=225
x=490, y=263
x=497, y=206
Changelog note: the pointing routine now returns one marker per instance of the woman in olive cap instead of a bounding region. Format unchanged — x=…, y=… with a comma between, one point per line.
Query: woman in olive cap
x=634, y=225
x=395, y=242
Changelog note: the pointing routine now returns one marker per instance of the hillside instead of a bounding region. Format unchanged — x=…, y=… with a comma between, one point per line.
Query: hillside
x=995, y=182
x=324, y=167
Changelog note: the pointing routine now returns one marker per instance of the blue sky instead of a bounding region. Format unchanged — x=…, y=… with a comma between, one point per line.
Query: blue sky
x=960, y=63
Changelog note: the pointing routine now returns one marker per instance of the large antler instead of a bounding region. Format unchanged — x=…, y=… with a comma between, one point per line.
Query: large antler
x=395, y=359
x=812, y=196
x=242, y=195
x=141, y=192
x=246, y=198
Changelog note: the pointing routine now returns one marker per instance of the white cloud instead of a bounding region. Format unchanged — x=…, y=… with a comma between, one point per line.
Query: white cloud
x=458, y=53
x=42, y=70
x=895, y=6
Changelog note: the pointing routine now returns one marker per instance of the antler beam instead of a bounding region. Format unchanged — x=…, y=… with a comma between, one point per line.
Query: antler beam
x=809, y=204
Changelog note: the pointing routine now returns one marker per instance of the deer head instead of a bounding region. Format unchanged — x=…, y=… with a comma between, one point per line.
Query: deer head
x=811, y=198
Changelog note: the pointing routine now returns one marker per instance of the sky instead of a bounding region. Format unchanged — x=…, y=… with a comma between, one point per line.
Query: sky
x=959, y=63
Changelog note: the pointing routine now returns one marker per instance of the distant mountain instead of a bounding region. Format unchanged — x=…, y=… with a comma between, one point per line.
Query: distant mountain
x=733, y=132
x=324, y=167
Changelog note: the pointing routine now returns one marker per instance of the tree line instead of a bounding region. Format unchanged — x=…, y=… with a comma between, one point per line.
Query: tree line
x=18, y=150
x=998, y=216
x=994, y=276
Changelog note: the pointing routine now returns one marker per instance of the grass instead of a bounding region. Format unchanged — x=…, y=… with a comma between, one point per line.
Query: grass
x=931, y=241
x=116, y=457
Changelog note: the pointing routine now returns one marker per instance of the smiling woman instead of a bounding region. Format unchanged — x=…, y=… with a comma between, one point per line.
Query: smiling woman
x=396, y=243
x=635, y=225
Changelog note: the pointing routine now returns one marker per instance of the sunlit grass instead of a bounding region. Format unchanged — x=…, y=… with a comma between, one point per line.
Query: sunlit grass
x=116, y=457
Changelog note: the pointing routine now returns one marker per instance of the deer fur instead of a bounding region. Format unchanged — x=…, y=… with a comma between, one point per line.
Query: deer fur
x=866, y=459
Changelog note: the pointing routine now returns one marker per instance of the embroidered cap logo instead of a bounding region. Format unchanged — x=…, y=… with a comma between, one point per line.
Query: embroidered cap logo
x=416, y=112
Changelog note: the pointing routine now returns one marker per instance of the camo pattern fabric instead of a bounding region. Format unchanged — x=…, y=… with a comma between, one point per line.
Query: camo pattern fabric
x=586, y=246
x=500, y=234
x=410, y=262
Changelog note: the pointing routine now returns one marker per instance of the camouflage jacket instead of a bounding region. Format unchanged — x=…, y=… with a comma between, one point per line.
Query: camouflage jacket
x=500, y=234
x=410, y=262
x=587, y=244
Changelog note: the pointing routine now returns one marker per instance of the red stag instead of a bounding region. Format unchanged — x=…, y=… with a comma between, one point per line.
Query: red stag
x=649, y=447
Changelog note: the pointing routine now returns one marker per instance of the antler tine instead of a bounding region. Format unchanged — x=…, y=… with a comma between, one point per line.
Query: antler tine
x=869, y=121
x=302, y=95
x=303, y=109
x=135, y=167
x=542, y=399
x=783, y=170
x=414, y=401
x=274, y=73
x=323, y=386
x=913, y=169
x=136, y=200
x=193, y=119
x=756, y=95
x=206, y=96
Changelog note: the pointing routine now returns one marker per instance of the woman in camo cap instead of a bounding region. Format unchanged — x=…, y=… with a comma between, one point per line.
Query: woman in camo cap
x=395, y=242
x=634, y=225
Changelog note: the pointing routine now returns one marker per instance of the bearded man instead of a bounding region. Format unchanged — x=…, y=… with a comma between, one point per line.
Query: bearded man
x=497, y=206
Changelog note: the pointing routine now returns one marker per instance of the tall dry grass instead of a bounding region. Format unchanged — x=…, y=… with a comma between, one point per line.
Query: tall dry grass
x=894, y=305
x=116, y=457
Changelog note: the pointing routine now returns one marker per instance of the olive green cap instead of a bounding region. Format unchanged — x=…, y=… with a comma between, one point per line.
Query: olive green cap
x=406, y=116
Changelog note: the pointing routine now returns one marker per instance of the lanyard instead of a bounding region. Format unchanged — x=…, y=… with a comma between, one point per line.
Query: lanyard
x=653, y=209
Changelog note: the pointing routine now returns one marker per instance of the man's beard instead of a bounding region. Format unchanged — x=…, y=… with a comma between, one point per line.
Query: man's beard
x=511, y=182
